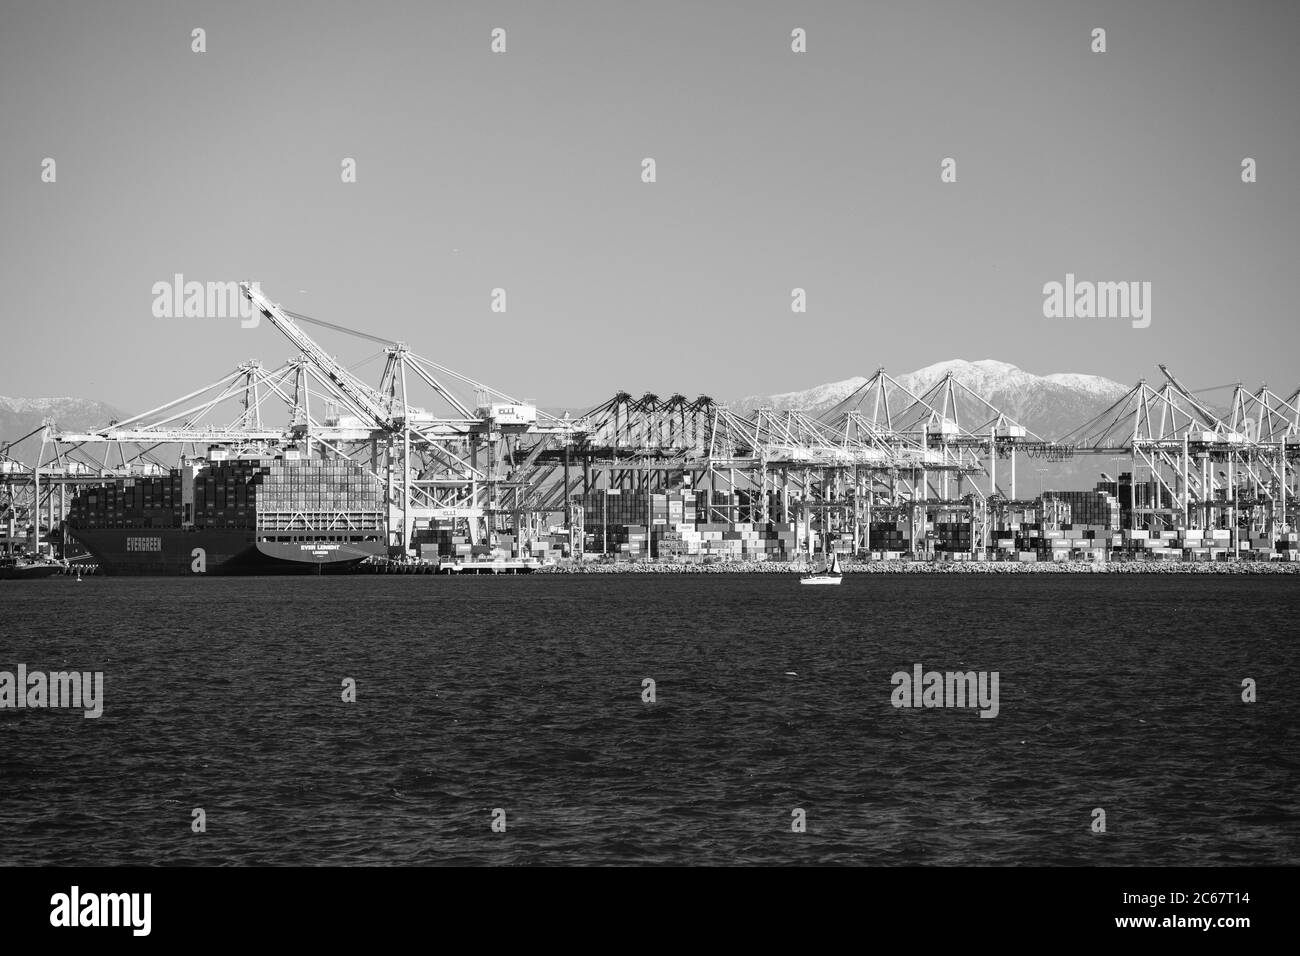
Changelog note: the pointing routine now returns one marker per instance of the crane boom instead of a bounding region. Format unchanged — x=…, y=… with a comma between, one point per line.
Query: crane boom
x=1208, y=414
x=362, y=394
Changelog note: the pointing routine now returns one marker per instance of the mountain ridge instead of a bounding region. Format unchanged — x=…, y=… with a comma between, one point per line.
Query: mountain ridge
x=1050, y=405
x=1000, y=383
x=21, y=416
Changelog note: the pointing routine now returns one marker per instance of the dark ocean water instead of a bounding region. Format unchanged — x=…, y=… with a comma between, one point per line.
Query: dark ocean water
x=1118, y=692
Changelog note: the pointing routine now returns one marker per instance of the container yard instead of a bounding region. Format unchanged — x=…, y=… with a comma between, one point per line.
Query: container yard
x=308, y=465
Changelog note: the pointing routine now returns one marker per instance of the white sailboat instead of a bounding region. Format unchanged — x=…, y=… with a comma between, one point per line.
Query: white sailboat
x=830, y=575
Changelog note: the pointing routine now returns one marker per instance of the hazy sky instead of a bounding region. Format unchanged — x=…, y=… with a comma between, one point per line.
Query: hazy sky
x=523, y=171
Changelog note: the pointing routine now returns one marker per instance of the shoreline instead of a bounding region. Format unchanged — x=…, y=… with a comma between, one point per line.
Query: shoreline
x=954, y=567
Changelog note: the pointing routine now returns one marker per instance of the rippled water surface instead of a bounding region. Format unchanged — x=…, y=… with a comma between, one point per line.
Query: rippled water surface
x=526, y=694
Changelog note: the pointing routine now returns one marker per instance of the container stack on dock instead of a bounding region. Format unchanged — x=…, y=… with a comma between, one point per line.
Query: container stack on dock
x=1153, y=543
x=738, y=507
x=1094, y=540
x=628, y=521
x=675, y=542
x=612, y=510
x=684, y=524
x=1288, y=546
x=1034, y=541
x=443, y=544
x=888, y=539
x=952, y=537
x=1098, y=509
x=747, y=541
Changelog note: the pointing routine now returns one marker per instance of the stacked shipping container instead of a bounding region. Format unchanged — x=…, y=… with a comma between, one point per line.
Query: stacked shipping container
x=264, y=494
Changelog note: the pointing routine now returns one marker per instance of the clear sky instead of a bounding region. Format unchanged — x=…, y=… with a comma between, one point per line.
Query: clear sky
x=522, y=170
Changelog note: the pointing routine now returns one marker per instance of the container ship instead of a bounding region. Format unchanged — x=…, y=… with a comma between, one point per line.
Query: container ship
x=249, y=515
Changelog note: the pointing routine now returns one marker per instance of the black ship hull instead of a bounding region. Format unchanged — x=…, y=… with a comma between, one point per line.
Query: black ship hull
x=189, y=553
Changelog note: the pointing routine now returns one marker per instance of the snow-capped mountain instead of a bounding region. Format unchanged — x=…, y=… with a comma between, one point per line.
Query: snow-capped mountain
x=1049, y=405
x=18, y=416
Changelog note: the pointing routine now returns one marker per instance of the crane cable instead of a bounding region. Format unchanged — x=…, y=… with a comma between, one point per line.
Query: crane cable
x=338, y=328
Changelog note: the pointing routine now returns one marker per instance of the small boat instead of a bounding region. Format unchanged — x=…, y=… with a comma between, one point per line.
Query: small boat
x=830, y=575
x=19, y=567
